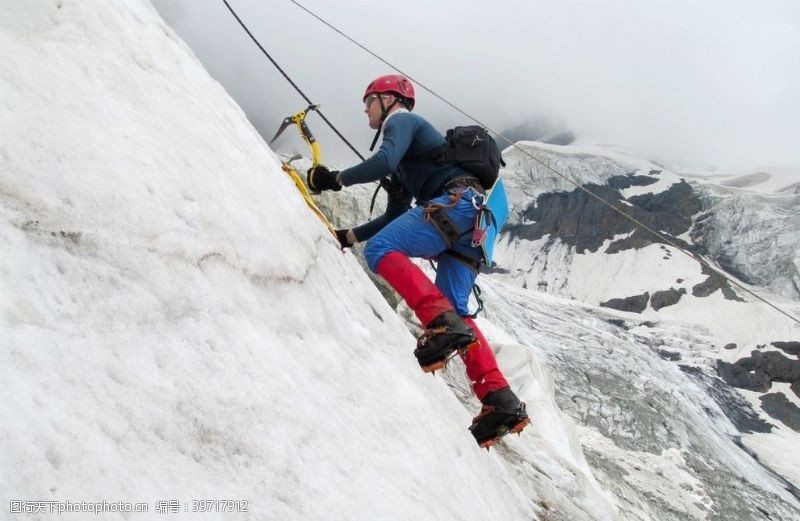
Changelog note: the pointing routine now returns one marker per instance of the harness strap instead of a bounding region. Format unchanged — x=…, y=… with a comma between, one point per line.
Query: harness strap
x=473, y=264
x=434, y=213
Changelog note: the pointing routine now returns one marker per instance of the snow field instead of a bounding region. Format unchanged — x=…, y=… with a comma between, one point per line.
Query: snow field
x=175, y=323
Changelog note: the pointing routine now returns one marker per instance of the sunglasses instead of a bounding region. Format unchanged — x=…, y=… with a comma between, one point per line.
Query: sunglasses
x=369, y=99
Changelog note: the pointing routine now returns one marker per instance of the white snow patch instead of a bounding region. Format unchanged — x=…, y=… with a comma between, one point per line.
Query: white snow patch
x=745, y=324
x=665, y=180
x=769, y=180
x=597, y=277
x=610, y=152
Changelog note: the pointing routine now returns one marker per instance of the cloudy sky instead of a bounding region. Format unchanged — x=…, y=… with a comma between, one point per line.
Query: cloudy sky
x=706, y=83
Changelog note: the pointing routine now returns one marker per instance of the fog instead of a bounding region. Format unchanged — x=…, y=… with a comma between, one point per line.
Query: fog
x=694, y=84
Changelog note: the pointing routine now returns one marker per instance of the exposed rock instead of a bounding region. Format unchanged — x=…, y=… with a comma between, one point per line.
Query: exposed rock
x=777, y=366
x=714, y=282
x=735, y=407
x=617, y=322
x=634, y=304
x=730, y=346
x=662, y=299
x=795, y=387
x=672, y=209
x=669, y=355
x=759, y=370
x=738, y=376
x=574, y=217
x=783, y=410
x=580, y=220
x=793, y=348
x=639, y=239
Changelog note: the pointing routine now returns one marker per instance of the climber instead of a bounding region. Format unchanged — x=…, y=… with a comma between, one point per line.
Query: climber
x=440, y=226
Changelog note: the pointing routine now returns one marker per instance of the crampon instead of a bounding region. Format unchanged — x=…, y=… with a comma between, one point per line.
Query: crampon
x=502, y=413
x=438, y=365
x=442, y=341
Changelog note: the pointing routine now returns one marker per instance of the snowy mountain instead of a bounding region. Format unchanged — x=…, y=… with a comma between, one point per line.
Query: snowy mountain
x=710, y=379
x=177, y=326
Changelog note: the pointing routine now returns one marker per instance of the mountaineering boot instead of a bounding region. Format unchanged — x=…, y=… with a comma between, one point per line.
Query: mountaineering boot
x=502, y=413
x=445, y=336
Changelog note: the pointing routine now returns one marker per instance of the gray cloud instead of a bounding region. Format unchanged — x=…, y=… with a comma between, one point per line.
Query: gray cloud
x=702, y=83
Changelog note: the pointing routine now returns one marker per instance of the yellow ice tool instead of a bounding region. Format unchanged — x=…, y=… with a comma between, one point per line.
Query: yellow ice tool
x=299, y=120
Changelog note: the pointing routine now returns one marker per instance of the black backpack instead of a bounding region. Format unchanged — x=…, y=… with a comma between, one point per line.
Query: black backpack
x=471, y=148
x=474, y=150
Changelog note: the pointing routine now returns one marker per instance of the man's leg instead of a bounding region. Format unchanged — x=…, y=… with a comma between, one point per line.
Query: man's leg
x=388, y=253
x=455, y=280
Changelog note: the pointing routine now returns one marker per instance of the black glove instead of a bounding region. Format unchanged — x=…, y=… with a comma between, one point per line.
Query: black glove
x=342, y=236
x=320, y=178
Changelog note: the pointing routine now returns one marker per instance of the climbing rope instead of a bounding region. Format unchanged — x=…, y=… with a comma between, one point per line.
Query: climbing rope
x=292, y=83
x=637, y=222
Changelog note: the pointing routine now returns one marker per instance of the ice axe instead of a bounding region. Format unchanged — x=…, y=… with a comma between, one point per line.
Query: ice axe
x=299, y=120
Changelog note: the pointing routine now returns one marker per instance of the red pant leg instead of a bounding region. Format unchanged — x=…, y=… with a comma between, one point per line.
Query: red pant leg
x=427, y=302
x=481, y=365
x=421, y=295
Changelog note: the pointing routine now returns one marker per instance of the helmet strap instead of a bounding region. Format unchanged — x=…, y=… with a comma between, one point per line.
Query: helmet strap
x=384, y=114
x=375, y=139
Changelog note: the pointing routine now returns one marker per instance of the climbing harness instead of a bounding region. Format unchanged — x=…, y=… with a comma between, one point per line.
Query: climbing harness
x=434, y=214
x=492, y=213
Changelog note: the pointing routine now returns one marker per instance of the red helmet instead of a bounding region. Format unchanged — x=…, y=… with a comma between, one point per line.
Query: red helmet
x=395, y=84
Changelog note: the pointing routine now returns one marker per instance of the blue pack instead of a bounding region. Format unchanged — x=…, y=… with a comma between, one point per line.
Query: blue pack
x=490, y=220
